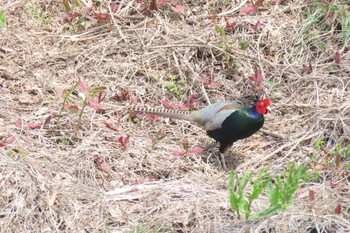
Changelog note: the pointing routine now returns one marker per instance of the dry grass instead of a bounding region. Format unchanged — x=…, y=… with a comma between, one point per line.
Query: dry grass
x=49, y=182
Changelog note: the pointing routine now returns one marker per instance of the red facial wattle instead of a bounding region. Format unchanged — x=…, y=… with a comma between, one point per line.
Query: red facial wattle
x=262, y=105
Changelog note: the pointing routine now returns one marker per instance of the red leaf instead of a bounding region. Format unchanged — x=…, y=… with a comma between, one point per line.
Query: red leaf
x=229, y=25
x=178, y=9
x=249, y=10
x=70, y=106
x=166, y=104
x=34, y=125
x=88, y=9
x=257, y=76
x=163, y=2
x=338, y=209
x=83, y=86
x=122, y=95
x=179, y=153
x=48, y=120
x=307, y=68
x=101, y=16
x=259, y=88
x=131, y=99
x=109, y=126
x=173, y=106
x=140, y=1
x=101, y=97
x=257, y=26
x=337, y=57
x=7, y=141
x=259, y=2
x=312, y=195
x=114, y=6
x=141, y=115
x=69, y=17
x=336, y=185
x=153, y=117
x=18, y=123
x=180, y=106
x=205, y=80
x=153, y=5
x=101, y=165
x=196, y=150
x=347, y=49
x=95, y=104
x=191, y=99
x=123, y=140
x=214, y=85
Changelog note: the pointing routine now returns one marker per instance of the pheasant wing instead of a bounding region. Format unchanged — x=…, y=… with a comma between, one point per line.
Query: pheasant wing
x=218, y=119
x=207, y=114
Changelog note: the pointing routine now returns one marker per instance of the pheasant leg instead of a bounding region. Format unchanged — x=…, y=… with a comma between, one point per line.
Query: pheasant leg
x=222, y=160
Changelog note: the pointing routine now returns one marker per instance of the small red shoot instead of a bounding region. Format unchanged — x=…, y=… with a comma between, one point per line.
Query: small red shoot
x=338, y=209
x=114, y=6
x=259, y=88
x=196, y=150
x=48, y=120
x=249, y=10
x=101, y=16
x=191, y=99
x=18, y=123
x=210, y=82
x=123, y=140
x=193, y=151
x=312, y=195
x=110, y=126
x=34, y=125
x=101, y=97
x=259, y=2
x=70, y=17
x=336, y=185
x=7, y=141
x=257, y=26
x=347, y=49
x=132, y=99
x=229, y=26
x=71, y=107
x=153, y=6
x=83, y=87
x=307, y=68
x=163, y=2
x=95, y=104
x=174, y=106
x=101, y=165
x=257, y=76
x=337, y=57
x=179, y=153
x=178, y=9
x=122, y=95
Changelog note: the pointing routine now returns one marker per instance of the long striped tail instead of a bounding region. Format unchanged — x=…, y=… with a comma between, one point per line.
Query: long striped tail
x=170, y=113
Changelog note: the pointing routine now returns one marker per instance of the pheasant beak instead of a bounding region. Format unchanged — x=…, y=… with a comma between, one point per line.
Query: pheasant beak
x=268, y=108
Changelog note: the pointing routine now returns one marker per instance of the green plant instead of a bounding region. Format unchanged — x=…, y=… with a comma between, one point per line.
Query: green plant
x=2, y=19
x=323, y=17
x=226, y=49
x=67, y=96
x=340, y=152
x=143, y=229
x=238, y=201
x=280, y=191
x=38, y=15
x=173, y=85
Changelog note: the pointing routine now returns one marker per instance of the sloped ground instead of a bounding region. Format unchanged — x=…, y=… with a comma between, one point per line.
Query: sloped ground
x=53, y=178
